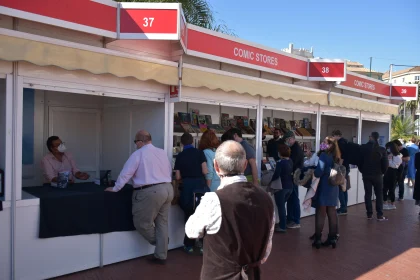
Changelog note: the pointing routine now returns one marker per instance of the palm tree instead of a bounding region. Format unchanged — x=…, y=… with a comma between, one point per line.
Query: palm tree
x=197, y=12
x=402, y=128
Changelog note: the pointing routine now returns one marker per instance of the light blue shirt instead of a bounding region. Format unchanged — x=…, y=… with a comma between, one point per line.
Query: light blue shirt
x=212, y=175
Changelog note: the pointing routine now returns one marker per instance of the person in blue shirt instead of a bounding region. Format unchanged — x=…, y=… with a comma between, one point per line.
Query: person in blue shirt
x=208, y=144
x=190, y=169
x=284, y=171
x=326, y=196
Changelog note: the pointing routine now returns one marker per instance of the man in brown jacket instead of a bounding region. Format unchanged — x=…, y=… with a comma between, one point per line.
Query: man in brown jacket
x=236, y=221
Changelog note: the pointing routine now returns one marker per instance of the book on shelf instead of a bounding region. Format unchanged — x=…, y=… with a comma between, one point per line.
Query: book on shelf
x=252, y=123
x=184, y=118
x=217, y=128
x=194, y=116
x=202, y=124
x=196, y=129
x=188, y=128
x=208, y=120
x=311, y=131
x=292, y=125
x=247, y=130
x=303, y=131
x=276, y=122
x=224, y=120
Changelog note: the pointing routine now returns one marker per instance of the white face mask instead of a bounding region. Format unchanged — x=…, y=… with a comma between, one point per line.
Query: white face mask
x=61, y=148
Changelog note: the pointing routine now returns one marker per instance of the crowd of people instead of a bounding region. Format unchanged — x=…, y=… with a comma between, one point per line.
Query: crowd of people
x=227, y=209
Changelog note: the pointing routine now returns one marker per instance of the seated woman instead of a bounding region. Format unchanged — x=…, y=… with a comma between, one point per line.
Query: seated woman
x=58, y=160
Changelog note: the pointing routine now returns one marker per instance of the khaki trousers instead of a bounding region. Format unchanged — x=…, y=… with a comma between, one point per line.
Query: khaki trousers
x=150, y=215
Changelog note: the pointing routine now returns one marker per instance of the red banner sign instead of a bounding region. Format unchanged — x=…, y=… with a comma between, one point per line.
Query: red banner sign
x=326, y=70
x=184, y=33
x=82, y=15
x=406, y=92
x=206, y=44
x=138, y=23
x=365, y=85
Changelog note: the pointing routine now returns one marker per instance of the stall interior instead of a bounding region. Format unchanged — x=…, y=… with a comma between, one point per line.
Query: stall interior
x=196, y=118
x=303, y=126
x=382, y=128
x=2, y=136
x=348, y=126
x=97, y=131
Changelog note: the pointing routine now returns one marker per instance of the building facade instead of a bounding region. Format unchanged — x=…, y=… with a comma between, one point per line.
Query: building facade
x=359, y=68
x=405, y=76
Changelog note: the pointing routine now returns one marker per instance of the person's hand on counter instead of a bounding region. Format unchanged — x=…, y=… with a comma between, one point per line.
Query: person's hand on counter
x=110, y=189
x=82, y=175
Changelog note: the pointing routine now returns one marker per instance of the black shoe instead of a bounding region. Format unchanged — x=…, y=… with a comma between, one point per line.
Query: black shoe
x=312, y=237
x=317, y=242
x=153, y=260
x=331, y=241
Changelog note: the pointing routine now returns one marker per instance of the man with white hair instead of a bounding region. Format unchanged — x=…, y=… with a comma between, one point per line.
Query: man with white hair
x=151, y=172
x=236, y=221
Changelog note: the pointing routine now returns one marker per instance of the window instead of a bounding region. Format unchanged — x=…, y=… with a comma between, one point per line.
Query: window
x=417, y=78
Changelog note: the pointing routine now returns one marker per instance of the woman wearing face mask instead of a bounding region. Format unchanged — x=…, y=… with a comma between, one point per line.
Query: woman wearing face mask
x=326, y=196
x=58, y=160
x=390, y=177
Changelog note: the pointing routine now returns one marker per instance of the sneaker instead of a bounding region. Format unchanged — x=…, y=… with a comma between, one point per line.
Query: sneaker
x=188, y=249
x=382, y=219
x=293, y=225
x=341, y=213
x=392, y=207
x=369, y=217
x=386, y=207
x=400, y=199
x=279, y=229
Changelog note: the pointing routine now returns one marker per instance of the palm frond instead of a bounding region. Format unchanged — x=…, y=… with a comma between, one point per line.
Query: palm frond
x=402, y=128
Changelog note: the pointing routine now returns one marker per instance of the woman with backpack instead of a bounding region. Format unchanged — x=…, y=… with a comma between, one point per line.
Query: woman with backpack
x=326, y=196
x=390, y=177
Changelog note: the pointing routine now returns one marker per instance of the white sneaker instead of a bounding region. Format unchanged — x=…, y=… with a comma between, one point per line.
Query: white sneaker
x=392, y=207
x=386, y=207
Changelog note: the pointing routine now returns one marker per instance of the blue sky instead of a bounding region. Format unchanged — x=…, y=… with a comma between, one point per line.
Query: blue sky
x=388, y=31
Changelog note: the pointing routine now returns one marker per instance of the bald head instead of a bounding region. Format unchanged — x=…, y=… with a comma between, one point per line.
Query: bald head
x=144, y=136
x=230, y=158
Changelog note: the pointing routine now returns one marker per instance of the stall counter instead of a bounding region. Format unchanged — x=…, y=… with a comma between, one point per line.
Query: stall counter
x=50, y=257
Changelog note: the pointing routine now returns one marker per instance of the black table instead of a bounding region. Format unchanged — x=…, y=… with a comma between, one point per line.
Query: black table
x=83, y=208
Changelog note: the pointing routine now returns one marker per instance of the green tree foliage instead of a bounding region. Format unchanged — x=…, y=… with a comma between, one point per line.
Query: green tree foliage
x=402, y=128
x=197, y=12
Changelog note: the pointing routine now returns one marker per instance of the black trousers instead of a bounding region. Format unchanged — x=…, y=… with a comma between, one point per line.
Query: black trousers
x=390, y=180
x=401, y=182
x=374, y=183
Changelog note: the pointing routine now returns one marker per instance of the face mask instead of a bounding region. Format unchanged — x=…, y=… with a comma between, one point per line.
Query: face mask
x=323, y=147
x=61, y=148
x=388, y=150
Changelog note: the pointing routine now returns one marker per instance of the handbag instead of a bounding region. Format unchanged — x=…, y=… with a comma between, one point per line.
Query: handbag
x=266, y=177
x=337, y=175
x=275, y=185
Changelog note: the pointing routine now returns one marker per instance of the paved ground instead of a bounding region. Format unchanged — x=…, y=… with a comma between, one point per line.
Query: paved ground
x=366, y=250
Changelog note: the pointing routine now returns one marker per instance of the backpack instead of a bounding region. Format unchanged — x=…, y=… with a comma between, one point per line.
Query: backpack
x=337, y=175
